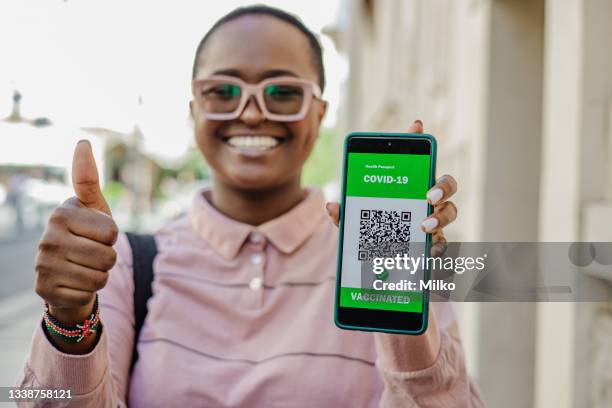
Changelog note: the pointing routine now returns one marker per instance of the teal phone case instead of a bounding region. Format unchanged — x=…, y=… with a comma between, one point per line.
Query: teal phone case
x=432, y=179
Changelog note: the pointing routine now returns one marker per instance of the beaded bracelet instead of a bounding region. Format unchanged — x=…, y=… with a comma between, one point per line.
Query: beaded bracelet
x=73, y=334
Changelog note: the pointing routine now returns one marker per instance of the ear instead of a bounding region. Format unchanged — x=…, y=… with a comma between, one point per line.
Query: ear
x=191, y=115
x=322, y=110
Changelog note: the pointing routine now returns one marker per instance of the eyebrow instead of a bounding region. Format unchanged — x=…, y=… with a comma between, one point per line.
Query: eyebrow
x=267, y=74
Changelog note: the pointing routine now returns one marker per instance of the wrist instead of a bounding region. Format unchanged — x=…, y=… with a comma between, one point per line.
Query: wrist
x=74, y=333
x=407, y=353
x=398, y=352
x=72, y=316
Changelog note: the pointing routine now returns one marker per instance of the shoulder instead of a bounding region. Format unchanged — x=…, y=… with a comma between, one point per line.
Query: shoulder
x=170, y=231
x=175, y=230
x=120, y=286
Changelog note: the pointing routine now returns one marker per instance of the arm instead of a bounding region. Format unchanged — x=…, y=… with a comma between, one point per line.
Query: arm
x=77, y=258
x=100, y=377
x=427, y=370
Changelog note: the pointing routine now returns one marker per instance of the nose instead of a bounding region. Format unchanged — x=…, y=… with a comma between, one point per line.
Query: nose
x=252, y=114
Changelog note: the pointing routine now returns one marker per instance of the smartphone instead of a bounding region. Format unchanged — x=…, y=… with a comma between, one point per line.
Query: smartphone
x=385, y=180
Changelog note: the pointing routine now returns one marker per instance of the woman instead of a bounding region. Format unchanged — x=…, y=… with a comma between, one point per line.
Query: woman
x=241, y=313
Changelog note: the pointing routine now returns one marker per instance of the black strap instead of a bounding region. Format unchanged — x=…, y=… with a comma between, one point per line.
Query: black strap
x=144, y=250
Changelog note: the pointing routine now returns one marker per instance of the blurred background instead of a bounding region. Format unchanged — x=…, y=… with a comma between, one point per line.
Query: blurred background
x=517, y=92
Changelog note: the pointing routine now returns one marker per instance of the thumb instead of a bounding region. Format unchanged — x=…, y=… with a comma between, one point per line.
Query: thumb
x=85, y=179
x=333, y=210
x=416, y=127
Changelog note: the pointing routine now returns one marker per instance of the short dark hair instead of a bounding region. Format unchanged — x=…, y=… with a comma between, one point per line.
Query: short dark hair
x=272, y=12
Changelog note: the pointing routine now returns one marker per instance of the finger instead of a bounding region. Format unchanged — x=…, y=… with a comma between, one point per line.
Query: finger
x=80, y=277
x=416, y=127
x=444, y=188
x=333, y=210
x=93, y=225
x=90, y=254
x=438, y=237
x=84, y=222
x=85, y=178
x=72, y=276
x=443, y=215
x=439, y=244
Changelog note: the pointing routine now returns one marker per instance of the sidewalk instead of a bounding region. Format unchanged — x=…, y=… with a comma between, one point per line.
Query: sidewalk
x=19, y=314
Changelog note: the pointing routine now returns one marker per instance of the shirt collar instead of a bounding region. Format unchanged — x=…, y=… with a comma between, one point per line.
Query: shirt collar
x=286, y=232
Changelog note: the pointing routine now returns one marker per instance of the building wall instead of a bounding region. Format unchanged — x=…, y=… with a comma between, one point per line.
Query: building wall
x=518, y=94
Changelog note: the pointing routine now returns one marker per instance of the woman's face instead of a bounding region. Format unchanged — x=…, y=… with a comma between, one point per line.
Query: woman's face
x=254, y=48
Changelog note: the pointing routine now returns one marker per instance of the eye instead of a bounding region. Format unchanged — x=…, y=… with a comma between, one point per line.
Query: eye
x=283, y=91
x=222, y=91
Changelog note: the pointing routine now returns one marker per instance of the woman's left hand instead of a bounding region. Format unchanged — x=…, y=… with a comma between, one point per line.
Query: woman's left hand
x=411, y=353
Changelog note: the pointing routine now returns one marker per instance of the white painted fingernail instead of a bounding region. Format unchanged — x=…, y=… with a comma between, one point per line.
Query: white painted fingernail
x=435, y=195
x=430, y=223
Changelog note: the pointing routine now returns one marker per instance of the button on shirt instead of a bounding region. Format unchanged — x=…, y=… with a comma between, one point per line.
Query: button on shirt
x=241, y=316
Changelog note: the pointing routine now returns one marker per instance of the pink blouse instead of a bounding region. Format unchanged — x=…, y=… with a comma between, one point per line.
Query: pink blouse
x=242, y=316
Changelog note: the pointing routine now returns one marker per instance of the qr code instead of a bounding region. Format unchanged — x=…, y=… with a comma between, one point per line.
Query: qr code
x=383, y=234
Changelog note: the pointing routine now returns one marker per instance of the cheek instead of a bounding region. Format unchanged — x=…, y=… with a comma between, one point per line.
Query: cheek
x=305, y=131
x=204, y=131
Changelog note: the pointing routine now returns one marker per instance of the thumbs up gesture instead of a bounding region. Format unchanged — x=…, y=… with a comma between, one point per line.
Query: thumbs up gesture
x=76, y=249
x=85, y=179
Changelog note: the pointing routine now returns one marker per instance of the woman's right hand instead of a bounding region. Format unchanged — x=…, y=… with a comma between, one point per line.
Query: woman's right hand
x=76, y=250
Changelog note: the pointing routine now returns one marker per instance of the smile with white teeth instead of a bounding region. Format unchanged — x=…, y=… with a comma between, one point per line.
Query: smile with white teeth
x=253, y=142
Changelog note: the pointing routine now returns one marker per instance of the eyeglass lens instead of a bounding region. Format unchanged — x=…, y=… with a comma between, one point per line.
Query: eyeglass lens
x=279, y=98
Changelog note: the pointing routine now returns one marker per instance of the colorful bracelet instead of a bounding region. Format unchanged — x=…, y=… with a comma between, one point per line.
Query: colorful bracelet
x=73, y=334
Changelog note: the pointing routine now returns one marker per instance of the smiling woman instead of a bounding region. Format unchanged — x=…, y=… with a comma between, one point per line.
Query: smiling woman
x=247, y=82
x=242, y=296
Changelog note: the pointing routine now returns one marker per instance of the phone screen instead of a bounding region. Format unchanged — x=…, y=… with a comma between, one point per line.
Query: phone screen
x=386, y=182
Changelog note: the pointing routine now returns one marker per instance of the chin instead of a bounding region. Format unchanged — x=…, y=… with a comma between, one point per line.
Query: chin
x=252, y=182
